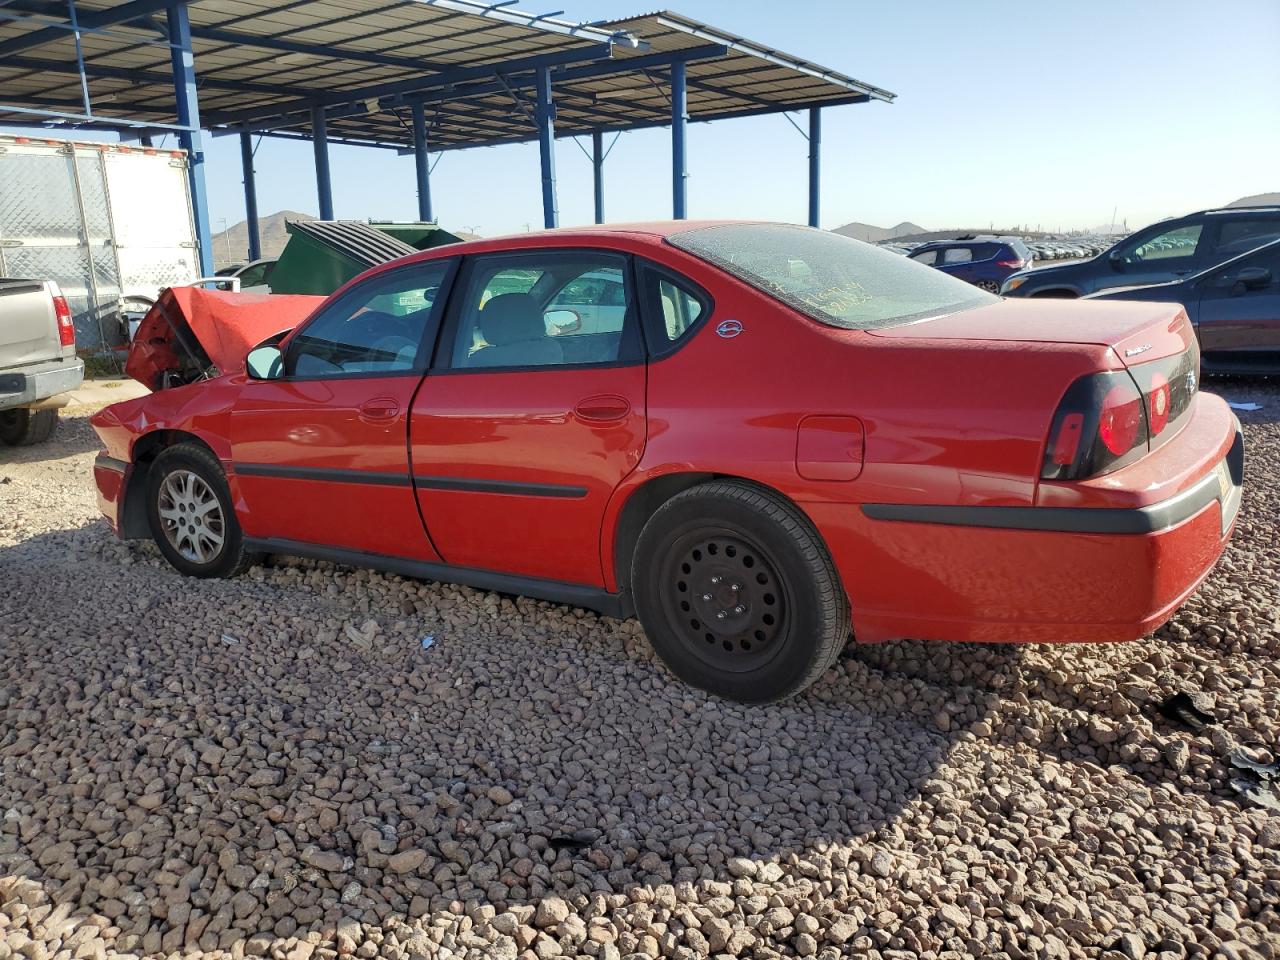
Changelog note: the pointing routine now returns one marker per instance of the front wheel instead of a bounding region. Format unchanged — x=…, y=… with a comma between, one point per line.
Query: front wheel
x=191, y=516
x=989, y=285
x=737, y=592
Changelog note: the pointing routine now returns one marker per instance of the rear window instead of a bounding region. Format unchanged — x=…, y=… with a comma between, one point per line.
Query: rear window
x=833, y=279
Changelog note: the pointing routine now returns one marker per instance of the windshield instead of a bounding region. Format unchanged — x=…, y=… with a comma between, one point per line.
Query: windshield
x=833, y=279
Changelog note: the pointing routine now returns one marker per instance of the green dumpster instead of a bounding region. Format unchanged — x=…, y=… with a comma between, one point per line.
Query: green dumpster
x=322, y=255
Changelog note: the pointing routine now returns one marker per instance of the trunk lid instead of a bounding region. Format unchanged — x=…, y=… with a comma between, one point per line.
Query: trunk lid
x=192, y=333
x=1138, y=332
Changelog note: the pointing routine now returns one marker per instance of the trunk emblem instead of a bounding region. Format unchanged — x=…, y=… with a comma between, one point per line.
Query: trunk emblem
x=1133, y=352
x=729, y=328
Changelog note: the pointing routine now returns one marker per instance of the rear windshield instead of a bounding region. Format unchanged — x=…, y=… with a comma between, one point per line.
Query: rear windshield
x=833, y=279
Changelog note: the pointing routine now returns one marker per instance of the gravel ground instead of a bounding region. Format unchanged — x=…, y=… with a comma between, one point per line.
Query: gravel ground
x=276, y=766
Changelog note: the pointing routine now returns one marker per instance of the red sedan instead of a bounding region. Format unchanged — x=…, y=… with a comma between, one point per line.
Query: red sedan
x=754, y=436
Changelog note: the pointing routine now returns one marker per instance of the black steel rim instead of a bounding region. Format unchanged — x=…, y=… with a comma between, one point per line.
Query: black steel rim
x=724, y=599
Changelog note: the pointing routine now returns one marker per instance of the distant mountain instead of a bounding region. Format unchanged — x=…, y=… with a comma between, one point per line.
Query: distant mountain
x=1258, y=200
x=232, y=245
x=872, y=234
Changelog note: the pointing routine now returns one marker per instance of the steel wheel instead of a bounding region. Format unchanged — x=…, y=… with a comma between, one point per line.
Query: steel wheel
x=191, y=516
x=723, y=597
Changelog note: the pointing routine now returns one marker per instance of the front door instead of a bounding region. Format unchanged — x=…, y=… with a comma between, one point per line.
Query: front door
x=533, y=413
x=321, y=454
x=1156, y=255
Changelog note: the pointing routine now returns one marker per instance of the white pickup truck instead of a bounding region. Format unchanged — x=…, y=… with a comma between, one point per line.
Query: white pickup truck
x=38, y=362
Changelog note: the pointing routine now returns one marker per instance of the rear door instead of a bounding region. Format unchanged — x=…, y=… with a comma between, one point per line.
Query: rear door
x=1236, y=317
x=321, y=455
x=958, y=261
x=529, y=419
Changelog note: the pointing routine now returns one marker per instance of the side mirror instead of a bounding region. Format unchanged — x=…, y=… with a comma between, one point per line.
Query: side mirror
x=1117, y=260
x=561, y=322
x=265, y=363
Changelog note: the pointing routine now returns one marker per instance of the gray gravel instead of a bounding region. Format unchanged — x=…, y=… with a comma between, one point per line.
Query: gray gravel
x=276, y=766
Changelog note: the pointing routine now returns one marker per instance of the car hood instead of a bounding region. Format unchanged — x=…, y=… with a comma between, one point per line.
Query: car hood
x=191, y=332
x=1161, y=327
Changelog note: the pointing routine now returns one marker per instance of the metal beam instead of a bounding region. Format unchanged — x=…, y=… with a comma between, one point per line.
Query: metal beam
x=91, y=69
x=679, y=126
x=250, y=197
x=815, y=164
x=546, y=113
x=320, y=146
x=239, y=39
x=442, y=78
x=597, y=172
x=514, y=77
x=89, y=20
x=188, y=103
x=421, y=168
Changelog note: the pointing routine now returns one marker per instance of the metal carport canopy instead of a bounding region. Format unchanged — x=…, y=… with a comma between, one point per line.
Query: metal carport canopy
x=404, y=74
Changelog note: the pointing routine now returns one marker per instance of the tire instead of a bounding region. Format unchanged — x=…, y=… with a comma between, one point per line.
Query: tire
x=185, y=479
x=989, y=285
x=22, y=428
x=733, y=548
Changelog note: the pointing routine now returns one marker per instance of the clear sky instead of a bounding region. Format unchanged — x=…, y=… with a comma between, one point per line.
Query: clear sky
x=1042, y=113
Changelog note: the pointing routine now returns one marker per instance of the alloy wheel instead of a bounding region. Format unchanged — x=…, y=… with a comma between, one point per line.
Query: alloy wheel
x=191, y=516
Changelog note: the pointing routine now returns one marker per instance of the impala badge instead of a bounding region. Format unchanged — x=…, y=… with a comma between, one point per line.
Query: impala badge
x=729, y=328
x=1137, y=350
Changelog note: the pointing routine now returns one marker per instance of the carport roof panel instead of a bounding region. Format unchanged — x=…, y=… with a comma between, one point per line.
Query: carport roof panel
x=349, y=53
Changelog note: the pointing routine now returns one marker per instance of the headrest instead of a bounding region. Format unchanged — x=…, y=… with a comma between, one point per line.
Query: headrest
x=512, y=318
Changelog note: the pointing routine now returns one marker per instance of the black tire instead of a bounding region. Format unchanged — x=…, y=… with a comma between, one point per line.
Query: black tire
x=786, y=615
x=21, y=428
x=167, y=479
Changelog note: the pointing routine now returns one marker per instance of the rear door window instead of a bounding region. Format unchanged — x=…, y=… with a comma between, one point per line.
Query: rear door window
x=1240, y=236
x=957, y=255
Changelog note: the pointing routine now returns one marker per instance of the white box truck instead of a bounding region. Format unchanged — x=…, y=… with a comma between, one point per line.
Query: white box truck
x=110, y=223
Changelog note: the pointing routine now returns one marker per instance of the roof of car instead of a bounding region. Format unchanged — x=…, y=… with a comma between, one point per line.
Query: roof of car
x=1219, y=211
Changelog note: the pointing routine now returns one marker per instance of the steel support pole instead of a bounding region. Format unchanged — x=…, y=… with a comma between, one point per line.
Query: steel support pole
x=320, y=144
x=597, y=172
x=546, y=113
x=188, y=104
x=250, y=196
x=815, y=165
x=421, y=167
x=679, y=125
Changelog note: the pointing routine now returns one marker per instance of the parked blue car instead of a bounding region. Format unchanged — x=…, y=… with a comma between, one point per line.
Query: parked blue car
x=983, y=261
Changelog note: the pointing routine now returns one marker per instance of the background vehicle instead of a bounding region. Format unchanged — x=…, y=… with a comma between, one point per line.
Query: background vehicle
x=38, y=362
x=254, y=277
x=983, y=261
x=643, y=469
x=1163, y=251
x=107, y=222
x=1235, y=308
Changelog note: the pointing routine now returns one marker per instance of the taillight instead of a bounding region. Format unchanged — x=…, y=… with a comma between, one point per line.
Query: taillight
x=1120, y=420
x=66, y=328
x=1099, y=426
x=1159, y=403
x=1011, y=264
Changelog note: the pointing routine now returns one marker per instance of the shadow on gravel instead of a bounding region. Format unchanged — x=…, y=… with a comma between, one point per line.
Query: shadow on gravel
x=319, y=765
x=72, y=437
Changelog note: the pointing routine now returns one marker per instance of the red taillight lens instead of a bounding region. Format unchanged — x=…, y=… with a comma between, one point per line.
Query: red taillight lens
x=1159, y=403
x=1120, y=421
x=66, y=328
x=1011, y=264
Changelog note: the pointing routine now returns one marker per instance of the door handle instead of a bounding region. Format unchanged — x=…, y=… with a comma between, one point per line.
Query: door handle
x=379, y=410
x=605, y=409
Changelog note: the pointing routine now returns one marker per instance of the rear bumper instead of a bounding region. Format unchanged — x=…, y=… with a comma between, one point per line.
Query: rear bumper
x=31, y=385
x=1033, y=574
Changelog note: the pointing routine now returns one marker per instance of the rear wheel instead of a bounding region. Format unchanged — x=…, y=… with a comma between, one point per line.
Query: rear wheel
x=190, y=513
x=737, y=593
x=21, y=428
x=989, y=285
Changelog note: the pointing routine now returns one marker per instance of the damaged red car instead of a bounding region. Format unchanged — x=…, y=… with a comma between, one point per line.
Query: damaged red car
x=756, y=437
